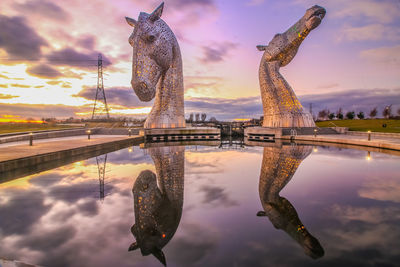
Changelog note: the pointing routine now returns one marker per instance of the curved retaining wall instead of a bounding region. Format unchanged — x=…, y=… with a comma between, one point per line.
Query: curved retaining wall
x=45, y=135
x=66, y=133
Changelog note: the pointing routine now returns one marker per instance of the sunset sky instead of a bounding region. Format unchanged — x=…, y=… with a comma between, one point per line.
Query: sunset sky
x=49, y=49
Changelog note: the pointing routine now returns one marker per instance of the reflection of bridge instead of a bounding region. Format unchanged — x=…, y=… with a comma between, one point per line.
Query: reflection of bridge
x=232, y=143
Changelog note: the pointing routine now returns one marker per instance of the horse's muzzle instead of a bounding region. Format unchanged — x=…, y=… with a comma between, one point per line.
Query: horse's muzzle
x=143, y=91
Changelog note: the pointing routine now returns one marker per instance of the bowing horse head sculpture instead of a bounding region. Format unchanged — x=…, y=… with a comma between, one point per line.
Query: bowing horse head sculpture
x=279, y=164
x=157, y=69
x=280, y=104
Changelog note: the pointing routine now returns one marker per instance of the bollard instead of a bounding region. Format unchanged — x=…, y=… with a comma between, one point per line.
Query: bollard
x=88, y=134
x=31, y=139
x=315, y=132
x=130, y=132
x=369, y=135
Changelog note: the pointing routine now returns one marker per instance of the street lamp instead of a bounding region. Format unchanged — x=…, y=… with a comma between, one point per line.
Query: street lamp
x=369, y=135
x=130, y=132
x=88, y=134
x=30, y=138
x=315, y=132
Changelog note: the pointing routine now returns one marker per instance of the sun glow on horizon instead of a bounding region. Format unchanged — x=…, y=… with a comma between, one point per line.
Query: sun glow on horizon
x=17, y=119
x=115, y=111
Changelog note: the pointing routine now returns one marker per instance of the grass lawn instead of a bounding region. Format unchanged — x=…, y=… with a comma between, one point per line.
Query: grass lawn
x=374, y=125
x=25, y=127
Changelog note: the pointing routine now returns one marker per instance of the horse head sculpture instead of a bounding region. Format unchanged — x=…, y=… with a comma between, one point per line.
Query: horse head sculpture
x=280, y=105
x=279, y=164
x=158, y=201
x=157, y=69
x=284, y=46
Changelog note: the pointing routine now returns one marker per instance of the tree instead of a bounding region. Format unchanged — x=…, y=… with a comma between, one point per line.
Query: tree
x=323, y=114
x=339, y=114
x=203, y=117
x=360, y=115
x=350, y=115
x=387, y=112
x=373, y=113
x=191, y=117
x=197, y=117
x=398, y=112
x=331, y=116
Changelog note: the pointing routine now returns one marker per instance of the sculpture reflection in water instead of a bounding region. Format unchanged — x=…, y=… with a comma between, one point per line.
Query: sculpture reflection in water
x=279, y=164
x=158, y=201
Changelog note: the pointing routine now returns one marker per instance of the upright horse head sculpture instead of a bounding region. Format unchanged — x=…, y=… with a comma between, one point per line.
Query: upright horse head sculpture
x=280, y=104
x=158, y=201
x=157, y=69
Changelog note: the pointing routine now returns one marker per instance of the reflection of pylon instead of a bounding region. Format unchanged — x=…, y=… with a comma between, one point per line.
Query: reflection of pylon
x=101, y=166
x=100, y=112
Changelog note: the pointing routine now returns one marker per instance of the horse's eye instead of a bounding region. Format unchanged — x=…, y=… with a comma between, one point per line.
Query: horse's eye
x=151, y=38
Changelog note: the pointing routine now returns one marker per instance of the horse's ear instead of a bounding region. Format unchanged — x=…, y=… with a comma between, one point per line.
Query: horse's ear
x=131, y=22
x=261, y=213
x=157, y=13
x=261, y=47
x=133, y=246
x=160, y=256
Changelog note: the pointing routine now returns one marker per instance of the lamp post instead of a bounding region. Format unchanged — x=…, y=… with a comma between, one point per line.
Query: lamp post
x=31, y=139
x=130, y=132
x=88, y=134
x=368, y=157
x=315, y=132
x=369, y=135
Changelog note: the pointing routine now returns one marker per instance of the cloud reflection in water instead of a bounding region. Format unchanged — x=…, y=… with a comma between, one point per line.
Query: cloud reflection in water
x=47, y=220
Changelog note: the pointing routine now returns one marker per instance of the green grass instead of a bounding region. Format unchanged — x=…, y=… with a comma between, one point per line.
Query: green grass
x=374, y=125
x=27, y=127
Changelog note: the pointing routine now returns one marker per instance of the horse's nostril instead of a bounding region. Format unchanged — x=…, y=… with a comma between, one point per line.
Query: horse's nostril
x=143, y=85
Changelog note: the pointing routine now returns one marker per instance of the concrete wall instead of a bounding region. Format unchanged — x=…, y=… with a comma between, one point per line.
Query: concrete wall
x=374, y=134
x=68, y=132
x=117, y=131
x=40, y=131
x=46, y=135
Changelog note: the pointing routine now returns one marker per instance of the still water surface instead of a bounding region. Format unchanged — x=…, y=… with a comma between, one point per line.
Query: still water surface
x=280, y=205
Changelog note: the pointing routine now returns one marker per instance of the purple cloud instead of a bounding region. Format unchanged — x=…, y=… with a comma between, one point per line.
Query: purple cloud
x=217, y=52
x=43, y=71
x=86, y=42
x=123, y=96
x=19, y=40
x=42, y=8
x=70, y=57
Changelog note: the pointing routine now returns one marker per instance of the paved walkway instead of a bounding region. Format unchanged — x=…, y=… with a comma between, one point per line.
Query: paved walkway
x=17, y=150
x=378, y=142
